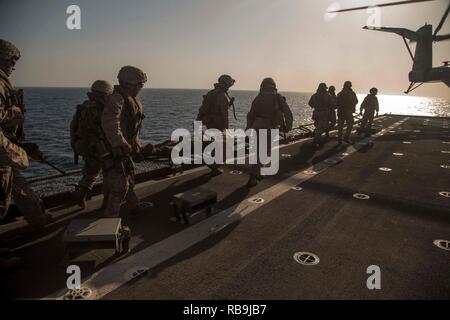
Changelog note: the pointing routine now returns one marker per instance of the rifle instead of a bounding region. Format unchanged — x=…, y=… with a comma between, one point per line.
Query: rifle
x=20, y=133
x=32, y=148
x=232, y=105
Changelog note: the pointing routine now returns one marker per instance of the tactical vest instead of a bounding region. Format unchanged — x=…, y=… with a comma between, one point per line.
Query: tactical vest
x=133, y=116
x=11, y=98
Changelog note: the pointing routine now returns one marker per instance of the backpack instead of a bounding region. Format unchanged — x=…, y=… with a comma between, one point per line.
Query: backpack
x=87, y=133
x=206, y=111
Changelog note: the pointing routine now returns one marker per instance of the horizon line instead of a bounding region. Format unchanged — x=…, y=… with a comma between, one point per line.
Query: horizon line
x=239, y=90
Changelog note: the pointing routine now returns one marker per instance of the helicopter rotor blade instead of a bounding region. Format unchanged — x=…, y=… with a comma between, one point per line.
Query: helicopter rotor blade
x=381, y=5
x=441, y=23
x=443, y=37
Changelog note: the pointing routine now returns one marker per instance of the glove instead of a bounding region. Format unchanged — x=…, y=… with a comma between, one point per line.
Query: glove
x=17, y=117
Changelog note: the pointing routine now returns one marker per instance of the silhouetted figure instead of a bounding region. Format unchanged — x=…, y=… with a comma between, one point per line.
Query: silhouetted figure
x=347, y=102
x=214, y=110
x=321, y=103
x=369, y=106
x=269, y=111
x=332, y=119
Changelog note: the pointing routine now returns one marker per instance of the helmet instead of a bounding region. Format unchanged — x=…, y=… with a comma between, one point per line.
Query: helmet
x=102, y=86
x=322, y=87
x=347, y=84
x=132, y=75
x=8, y=50
x=374, y=91
x=226, y=80
x=269, y=83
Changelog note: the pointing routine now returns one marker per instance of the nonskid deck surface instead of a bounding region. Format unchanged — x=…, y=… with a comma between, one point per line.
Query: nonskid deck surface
x=245, y=250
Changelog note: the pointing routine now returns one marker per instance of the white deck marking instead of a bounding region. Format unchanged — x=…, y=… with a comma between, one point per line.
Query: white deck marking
x=116, y=275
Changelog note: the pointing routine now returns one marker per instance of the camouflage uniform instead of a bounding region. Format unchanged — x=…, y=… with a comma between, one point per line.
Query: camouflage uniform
x=121, y=124
x=269, y=111
x=87, y=138
x=321, y=103
x=12, y=184
x=370, y=105
x=347, y=102
x=214, y=111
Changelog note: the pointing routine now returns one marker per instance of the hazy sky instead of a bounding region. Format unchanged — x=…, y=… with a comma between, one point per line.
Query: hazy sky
x=188, y=43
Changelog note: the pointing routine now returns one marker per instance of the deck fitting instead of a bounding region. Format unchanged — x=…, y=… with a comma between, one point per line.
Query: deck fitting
x=306, y=258
x=256, y=200
x=361, y=196
x=445, y=194
x=442, y=244
x=82, y=293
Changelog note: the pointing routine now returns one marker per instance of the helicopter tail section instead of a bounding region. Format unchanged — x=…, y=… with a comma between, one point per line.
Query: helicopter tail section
x=423, y=56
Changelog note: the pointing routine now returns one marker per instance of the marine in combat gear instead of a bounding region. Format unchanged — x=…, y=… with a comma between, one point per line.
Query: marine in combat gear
x=332, y=113
x=14, y=158
x=214, y=110
x=12, y=115
x=121, y=123
x=88, y=140
x=347, y=101
x=269, y=110
x=368, y=108
x=321, y=103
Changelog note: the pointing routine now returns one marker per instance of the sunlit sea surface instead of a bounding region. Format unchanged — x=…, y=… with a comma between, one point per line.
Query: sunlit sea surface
x=50, y=110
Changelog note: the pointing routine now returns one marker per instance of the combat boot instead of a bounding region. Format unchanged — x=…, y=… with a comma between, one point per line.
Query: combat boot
x=253, y=181
x=215, y=171
x=79, y=196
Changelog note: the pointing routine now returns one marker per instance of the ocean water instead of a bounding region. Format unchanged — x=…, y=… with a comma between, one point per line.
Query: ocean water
x=50, y=110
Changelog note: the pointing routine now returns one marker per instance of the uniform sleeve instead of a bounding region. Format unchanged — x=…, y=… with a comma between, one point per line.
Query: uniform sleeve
x=12, y=155
x=355, y=99
x=377, y=105
x=251, y=116
x=311, y=102
x=287, y=113
x=223, y=105
x=203, y=109
x=111, y=121
x=363, y=104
